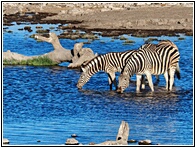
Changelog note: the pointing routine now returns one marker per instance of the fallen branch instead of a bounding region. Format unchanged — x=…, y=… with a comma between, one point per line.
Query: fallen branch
x=77, y=56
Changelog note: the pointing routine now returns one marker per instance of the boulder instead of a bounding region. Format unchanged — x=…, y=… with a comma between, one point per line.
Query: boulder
x=71, y=141
x=5, y=141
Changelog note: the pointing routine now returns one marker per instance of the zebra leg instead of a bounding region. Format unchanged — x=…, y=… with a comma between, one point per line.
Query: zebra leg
x=115, y=83
x=149, y=77
x=112, y=79
x=166, y=80
x=143, y=81
x=138, y=83
x=171, y=81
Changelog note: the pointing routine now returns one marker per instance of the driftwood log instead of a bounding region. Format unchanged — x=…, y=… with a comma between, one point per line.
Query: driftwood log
x=76, y=57
x=122, y=136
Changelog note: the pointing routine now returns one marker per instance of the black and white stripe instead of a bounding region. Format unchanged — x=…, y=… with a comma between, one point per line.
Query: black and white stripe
x=149, y=60
x=110, y=63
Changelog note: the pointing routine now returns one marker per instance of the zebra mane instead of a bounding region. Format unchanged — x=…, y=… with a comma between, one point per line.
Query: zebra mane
x=84, y=64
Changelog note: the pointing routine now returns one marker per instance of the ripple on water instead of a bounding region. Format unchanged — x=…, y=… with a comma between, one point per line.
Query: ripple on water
x=43, y=103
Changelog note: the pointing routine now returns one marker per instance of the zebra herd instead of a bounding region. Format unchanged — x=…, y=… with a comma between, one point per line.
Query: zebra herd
x=149, y=59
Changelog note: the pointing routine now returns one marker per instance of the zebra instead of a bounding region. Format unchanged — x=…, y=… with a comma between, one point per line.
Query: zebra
x=152, y=47
x=110, y=63
x=162, y=60
x=158, y=48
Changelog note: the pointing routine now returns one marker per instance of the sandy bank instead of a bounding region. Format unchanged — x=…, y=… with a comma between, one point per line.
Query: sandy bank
x=174, y=17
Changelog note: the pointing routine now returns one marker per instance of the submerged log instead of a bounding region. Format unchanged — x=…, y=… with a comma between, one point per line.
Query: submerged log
x=122, y=136
x=77, y=56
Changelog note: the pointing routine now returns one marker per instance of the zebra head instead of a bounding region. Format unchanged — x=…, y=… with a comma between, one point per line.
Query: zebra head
x=84, y=78
x=123, y=82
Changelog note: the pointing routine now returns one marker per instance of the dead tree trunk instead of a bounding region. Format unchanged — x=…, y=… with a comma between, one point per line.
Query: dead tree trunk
x=122, y=136
x=77, y=56
x=59, y=54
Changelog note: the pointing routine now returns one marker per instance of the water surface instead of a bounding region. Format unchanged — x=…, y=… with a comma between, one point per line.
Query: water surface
x=43, y=103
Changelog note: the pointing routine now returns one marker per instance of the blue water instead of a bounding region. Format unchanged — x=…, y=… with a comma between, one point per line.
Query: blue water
x=43, y=103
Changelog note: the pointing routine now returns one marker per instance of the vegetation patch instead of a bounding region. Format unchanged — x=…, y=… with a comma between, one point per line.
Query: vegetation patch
x=151, y=40
x=128, y=42
x=181, y=38
x=123, y=38
x=38, y=61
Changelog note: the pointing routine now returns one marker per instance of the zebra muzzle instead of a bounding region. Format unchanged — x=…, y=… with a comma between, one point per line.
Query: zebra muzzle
x=119, y=90
x=78, y=86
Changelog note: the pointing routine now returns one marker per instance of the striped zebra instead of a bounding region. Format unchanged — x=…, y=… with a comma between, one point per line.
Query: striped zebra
x=110, y=63
x=162, y=60
x=154, y=47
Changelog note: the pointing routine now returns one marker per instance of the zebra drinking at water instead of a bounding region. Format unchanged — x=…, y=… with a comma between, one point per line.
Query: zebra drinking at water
x=162, y=60
x=110, y=63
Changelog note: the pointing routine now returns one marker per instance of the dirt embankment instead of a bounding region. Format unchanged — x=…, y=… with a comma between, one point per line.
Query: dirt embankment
x=111, y=18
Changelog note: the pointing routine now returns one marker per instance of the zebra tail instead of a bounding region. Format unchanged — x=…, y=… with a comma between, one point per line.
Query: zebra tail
x=177, y=72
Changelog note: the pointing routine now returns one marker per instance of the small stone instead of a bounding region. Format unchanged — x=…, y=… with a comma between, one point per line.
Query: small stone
x=71, y=141
x=20, y=29
x=27, y=27
x=5, y=141
x=30, y=16
x=38, y=27
x=43, y=31
x=144, y=142
x=131, y=141
x=91, y=143
x=74, y=135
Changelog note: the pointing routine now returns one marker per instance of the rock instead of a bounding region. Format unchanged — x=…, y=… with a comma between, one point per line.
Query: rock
x=20, y=28
x=30, y=16
x=132, y=141
x=92, y=143
x=27, y=28
x=71, y=141
x=38, y=27
x=5, y=141
x=74, y=135
x=145, y=142
x=43, y=31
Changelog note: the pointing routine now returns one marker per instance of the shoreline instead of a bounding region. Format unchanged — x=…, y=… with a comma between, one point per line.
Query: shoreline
x=112, y=19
